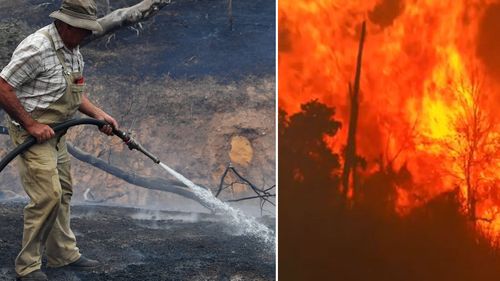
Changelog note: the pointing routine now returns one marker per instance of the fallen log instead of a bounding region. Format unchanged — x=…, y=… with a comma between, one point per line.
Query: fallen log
x=154, y=183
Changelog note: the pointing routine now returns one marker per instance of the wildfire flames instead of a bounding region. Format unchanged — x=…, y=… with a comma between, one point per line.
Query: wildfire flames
x=430, y=89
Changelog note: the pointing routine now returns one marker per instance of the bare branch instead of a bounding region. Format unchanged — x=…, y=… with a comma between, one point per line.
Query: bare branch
x=262, y=194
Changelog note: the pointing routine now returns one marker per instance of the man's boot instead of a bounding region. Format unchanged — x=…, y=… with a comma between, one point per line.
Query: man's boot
x=84, y=263
x=36, y=275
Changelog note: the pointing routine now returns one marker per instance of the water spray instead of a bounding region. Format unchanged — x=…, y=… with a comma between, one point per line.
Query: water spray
x=248, y=225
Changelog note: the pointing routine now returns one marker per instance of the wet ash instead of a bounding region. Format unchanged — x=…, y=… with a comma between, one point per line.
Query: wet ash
x=133, y=244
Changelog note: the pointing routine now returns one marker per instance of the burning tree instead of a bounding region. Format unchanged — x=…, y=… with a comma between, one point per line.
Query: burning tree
x=475, y=149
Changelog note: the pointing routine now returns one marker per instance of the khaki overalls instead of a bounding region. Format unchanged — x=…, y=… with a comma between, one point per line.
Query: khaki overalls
x=45, y=175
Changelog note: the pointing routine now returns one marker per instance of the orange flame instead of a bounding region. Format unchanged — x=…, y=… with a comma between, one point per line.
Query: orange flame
x=429, y=89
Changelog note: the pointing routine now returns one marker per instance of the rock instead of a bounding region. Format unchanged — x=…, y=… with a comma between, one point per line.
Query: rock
x=241, y=152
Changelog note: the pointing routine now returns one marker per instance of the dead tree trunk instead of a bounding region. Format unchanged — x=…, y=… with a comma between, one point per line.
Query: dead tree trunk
x=350, y=152
x=127, y=16
x=154, y=183
x=471, y=196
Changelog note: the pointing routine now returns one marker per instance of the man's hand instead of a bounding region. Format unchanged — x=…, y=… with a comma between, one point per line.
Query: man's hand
x=10, y=103
x=107, y=129
x=40, y=131
x=88, y=108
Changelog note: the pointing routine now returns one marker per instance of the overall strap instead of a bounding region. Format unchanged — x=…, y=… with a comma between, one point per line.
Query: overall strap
x=58, y=53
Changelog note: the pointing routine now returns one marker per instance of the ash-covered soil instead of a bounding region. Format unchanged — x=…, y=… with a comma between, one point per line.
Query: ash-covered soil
x=137, y=244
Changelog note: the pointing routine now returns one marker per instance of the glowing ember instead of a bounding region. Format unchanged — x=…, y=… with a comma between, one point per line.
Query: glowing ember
x=429, y=89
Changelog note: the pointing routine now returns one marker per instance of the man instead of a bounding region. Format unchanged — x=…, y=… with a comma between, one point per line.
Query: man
x=43, y=85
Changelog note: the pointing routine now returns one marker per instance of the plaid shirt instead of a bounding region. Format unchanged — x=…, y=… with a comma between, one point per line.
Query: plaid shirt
x=35, y=72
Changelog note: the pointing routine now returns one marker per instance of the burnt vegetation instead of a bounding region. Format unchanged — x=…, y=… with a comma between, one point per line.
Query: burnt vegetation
x=325, y=236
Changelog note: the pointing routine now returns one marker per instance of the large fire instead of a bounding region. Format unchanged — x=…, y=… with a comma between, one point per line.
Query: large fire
x=430, y=88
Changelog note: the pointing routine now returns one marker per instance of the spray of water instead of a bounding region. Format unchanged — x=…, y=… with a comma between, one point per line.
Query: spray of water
x=248, y=225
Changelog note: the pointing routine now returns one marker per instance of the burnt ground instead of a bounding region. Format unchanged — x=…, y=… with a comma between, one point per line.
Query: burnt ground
x=135, y=244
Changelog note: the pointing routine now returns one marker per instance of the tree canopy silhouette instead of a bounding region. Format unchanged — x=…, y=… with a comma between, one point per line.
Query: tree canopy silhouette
x=308, y=184
x=305, y=159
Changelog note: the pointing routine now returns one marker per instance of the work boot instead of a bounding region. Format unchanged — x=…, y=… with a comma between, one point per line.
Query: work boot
x=36, y=275
x=84, y=263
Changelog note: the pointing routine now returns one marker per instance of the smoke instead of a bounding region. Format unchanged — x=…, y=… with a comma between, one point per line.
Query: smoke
x=157, y=215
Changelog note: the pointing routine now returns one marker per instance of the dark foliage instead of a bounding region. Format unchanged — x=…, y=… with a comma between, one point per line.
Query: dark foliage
x=303, y=151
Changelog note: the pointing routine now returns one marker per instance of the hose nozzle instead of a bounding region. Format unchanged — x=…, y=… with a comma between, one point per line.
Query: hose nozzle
x=133, y=144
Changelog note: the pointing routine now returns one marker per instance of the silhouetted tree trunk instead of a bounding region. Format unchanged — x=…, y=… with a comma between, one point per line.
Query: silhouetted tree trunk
x=350, y=152
x=473, y=129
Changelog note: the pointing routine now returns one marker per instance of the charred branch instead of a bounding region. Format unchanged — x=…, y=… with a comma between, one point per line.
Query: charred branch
x=263, y=194
x=250, y=197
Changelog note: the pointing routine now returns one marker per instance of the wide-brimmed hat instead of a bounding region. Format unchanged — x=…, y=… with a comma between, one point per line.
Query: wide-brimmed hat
x=78, y=13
